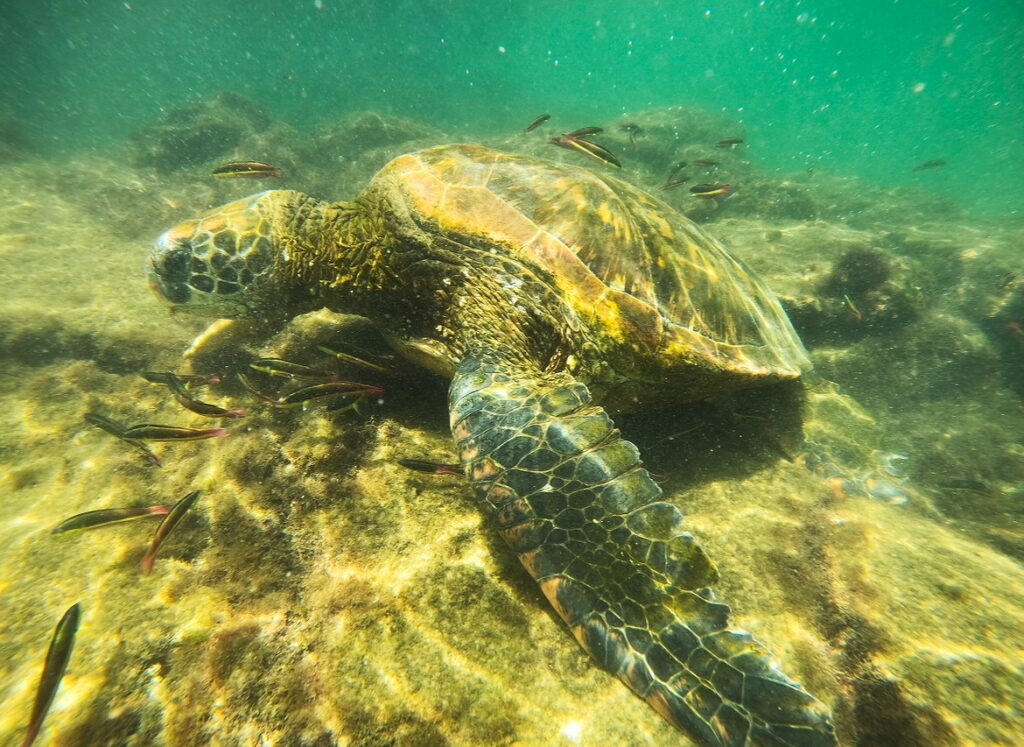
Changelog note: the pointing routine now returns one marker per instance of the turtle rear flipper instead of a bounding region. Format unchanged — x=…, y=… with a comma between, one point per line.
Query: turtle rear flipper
x=571, y=498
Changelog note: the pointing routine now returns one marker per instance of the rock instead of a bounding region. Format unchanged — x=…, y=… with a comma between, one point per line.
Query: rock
x=194, y=134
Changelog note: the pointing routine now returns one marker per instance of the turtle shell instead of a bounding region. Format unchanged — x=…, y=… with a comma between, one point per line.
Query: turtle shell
x=636, y=271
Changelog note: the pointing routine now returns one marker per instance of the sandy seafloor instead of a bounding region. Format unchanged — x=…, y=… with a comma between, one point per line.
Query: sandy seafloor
x=321, y=594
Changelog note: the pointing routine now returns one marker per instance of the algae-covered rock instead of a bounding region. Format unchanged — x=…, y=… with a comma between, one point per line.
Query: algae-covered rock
x=193, y=134
x=349, y=151
x=319, y=591
x=365, y=131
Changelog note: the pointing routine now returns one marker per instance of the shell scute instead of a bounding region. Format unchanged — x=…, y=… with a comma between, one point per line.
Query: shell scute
x=625, y=261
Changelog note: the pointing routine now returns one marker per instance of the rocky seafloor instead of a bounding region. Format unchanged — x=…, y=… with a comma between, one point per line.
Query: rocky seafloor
x=319, y=593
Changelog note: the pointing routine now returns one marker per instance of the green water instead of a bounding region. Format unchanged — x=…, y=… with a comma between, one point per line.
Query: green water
x=868, y=530
x=867, y=89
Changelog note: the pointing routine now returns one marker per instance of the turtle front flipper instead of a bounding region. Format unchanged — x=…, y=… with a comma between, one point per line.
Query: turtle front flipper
x=570, y=497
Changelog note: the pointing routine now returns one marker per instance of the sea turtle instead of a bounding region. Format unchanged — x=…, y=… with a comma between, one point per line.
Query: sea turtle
x=543, y=291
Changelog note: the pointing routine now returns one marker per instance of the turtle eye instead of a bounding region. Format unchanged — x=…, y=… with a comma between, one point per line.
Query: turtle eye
x=170, y=267
x=174, y=266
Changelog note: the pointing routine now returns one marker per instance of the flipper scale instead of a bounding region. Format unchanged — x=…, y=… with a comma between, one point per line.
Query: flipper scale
x=570, y=496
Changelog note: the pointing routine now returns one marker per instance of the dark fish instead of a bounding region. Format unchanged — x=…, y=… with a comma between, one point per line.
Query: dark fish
x=537, y=122
x=105, y=516
x=103, y=422
x=189, y=380
x=706, y=191
x=433, y=468
x=247, y=170
x=935, y=163
x=591, y=150
x=146, y=452
x=288, y=370
x=1006, y=281
x=116, y=429
x=252, y=388
x=598, y=153
x=354, y=360
x=973, y=486
x=170, y=521
x=327, y=389
x=706, y=162
x=207, y=409
x=675, y=170
x=313, y=392
x=153, y=432
x=728, y=142
x=848, y=302
x=584, y=132
x=57, y=657
x=186, y=400
x=633, y=130
x=673, y=183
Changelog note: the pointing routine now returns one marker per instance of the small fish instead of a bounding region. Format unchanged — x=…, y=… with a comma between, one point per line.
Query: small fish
x=328, y=389
x=288, y=370
x=584, y=132
x=433, y=468
x=707, y=191
x=313, y=392
x=853, y=309
x=116, y=429
x=354, y=360
x=598, y=153
x=57, y=658
x=146, y=452
x=590, y=150
x=728, y=142
x=537, y=122
x=154, y=432
x=186, y=400
x=107, y=424
x=973, y=486
x=247, y=170
x=107, y=516
x=170, y=521
x=189, y=380
x=675, y=170
x=935, y=163
x=1006, y=281
x=709, y=163
x=633, y=130
x=673, y=183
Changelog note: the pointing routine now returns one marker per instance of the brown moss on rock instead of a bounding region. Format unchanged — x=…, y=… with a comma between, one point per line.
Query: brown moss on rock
x=194, y=134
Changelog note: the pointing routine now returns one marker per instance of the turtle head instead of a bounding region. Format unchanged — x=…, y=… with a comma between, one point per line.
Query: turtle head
x=221, y=263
